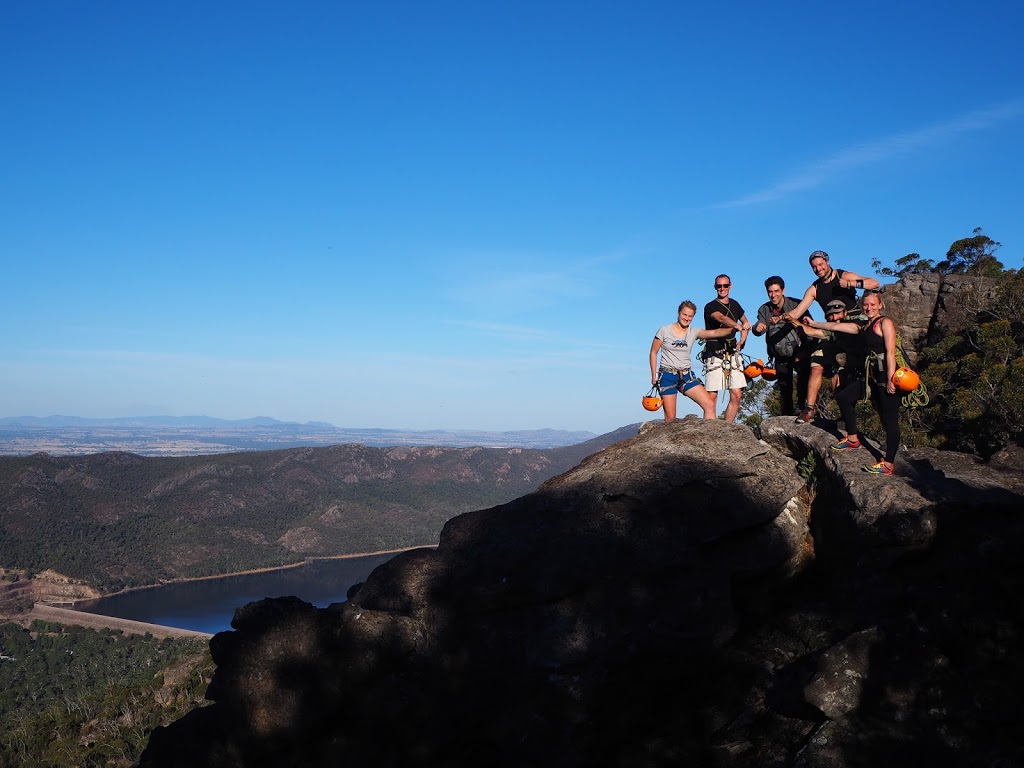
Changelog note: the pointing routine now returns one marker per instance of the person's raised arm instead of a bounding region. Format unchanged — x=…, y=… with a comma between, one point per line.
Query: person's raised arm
x=853, y=280
x=718, y=333
x=805, y=303
x=824, y=325
x=734, y=325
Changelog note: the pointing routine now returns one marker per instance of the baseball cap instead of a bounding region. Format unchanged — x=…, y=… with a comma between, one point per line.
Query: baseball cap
x=835, y=306
x=818, y=255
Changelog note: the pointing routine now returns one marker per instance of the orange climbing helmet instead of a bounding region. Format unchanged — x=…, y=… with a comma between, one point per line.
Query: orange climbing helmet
x=905, y=379
x=754, y=369
x=651, y=401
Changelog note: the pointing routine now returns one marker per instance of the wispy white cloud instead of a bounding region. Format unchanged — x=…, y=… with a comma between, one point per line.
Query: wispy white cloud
x=816, y=174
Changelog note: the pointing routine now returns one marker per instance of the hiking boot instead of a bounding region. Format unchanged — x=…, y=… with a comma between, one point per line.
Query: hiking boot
x=846, y=444
x=880, y=468
x=806, y=415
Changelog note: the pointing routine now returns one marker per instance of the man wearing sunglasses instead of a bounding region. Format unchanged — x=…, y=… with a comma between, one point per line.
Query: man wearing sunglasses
x=722, y=356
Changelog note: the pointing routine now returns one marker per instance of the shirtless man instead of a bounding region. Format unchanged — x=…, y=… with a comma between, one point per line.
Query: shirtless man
x=832, y=284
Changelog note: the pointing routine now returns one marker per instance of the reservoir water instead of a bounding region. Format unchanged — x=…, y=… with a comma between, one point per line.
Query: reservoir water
x=209, y=604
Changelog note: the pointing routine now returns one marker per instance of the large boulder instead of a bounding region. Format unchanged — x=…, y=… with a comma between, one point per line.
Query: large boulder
x=663, y=603
x=533, y=629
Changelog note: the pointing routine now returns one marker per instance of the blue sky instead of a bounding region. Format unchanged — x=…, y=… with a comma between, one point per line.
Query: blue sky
x=462, y=214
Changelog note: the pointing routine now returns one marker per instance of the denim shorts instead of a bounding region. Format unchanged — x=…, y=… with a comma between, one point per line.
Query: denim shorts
x=674, y=382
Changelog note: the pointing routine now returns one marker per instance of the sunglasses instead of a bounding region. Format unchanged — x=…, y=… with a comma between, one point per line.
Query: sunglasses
x=722, y=285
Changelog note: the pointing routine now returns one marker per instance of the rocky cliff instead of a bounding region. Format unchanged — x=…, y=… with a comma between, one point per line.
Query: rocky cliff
x=695, y=595
x=926, y=306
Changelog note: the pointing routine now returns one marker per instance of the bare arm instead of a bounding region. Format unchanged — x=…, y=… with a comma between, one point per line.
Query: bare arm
x=718, y=333
x=805, y=303
x=655, y=346
x=745, y=325
x=824, y=325
x=889, y=337
x=734, y=325
x=853, y=280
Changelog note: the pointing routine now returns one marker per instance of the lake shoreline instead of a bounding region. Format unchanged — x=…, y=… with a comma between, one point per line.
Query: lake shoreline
x=210, y=604
x=269, y=569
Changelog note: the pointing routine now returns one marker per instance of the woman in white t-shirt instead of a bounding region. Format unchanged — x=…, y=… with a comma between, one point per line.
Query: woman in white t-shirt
x=674, y=374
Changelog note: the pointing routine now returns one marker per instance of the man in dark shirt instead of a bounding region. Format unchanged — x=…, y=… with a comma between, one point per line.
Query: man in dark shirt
x=722, y=356
x=831, y=285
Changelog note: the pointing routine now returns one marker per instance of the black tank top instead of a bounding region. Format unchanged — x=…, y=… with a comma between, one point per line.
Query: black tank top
x=872, y=341
x=827, y=291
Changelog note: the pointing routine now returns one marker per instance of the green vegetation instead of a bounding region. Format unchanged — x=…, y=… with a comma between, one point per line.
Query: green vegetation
x=975, y=373
x=79, y=697
x=808, y=467
x=760, y=400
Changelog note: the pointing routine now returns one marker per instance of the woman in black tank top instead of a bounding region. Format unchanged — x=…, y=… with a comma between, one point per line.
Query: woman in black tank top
x=879, y=343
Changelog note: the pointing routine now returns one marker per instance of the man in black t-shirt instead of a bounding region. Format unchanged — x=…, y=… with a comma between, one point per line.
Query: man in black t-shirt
x=831, y=285
x=722, y=357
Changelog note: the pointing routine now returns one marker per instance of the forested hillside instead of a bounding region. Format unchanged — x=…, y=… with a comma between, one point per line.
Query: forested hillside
x=117, y=520
x=79, y=697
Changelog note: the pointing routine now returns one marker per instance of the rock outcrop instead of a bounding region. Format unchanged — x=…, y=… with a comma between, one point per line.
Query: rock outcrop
x=696, y=595
x=926, y=306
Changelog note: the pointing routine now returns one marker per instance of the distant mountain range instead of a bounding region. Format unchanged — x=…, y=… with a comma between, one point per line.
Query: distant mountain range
x=52, y=422
x=195, y=435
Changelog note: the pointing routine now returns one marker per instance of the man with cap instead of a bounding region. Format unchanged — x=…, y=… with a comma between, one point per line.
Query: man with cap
x=823, y=358
x=832, y=285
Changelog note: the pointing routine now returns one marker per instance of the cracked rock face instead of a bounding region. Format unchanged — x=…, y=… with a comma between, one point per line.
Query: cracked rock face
x=926, y=306
x=663, y=603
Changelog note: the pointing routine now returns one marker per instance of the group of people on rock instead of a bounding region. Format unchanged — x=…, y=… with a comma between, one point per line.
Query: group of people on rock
x=804, y=351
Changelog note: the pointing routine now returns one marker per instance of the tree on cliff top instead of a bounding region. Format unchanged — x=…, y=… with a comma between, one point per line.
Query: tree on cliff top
x=968, y=256
x=972, y=256
x=911, y=264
